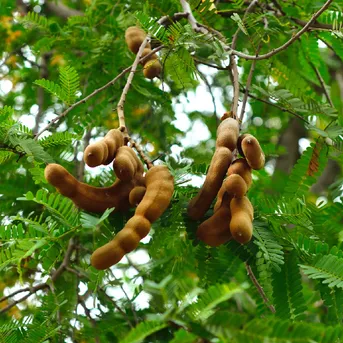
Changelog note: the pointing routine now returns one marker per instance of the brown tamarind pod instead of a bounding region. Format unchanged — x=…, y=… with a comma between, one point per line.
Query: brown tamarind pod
x=136, y=195
x=215, y=230
x=103, y=151
x=235, y=186
x=134, y=37
x=242, y=168
x=249, y=147
x=242, y=215
x=152, y=69
x=227, y=133
x=199, y=205
x=147, y=51
x=159, y=191
x=127, y=164
x=125, y=241
x=89, y=198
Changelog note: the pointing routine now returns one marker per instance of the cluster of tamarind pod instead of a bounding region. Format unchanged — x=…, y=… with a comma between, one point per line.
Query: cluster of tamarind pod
x=134, y=37
x=151, y=193
x=233, y=212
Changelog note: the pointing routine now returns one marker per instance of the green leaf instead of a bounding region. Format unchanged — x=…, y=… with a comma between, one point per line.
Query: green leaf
x=143, y=330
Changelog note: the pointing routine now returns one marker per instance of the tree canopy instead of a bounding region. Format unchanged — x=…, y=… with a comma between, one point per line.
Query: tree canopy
x=68, y=77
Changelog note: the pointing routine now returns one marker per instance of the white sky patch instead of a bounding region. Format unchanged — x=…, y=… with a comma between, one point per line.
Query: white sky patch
x=5, y=87
x=304, y=143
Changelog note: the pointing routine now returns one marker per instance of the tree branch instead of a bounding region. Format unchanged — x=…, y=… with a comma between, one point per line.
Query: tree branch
x=85, y=99
x=141, y=153
x=259, y=288
x=283, y=109
x=200, y=28
x=323, y=86
x=41, y=286
x=60, y=10
x=288, y=43
x=120, y=106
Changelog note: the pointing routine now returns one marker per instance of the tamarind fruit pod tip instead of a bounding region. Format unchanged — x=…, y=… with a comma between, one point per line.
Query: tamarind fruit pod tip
x=95, y=153
x=241, y=227
x=249, y=147
x=61, y=179
x=152, y=69
x=107, y=255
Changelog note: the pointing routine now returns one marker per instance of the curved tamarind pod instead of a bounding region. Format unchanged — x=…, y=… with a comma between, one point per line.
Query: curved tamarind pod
x=159, y=191
x=125, y=241
x=249, y=147
x=215, y=230
x=235, y=186
x=103, y=151
x=241, y=221
x=136, y=195
x=147, y=51
x=152, y=69
x=127, y=164
x=214, y=178
x=134, y=37
x=89, y=198
x=227, y=133
x=242, y=168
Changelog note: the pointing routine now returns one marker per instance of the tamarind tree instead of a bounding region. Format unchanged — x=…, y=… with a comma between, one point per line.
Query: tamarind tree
x=78, y=89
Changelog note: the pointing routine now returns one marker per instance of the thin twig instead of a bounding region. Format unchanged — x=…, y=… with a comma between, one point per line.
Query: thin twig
x=233, y=65
x=57, y=273
x=211, y=65
x=98, y=90
x=120, y=106
x=192, y=21
x=259, y=288
x=283, y=109
x=141, y=153
x=288, y=43
x=202, y=29
x=211, y=93
x=323, y=86
x=126, y=296
x=88, y=314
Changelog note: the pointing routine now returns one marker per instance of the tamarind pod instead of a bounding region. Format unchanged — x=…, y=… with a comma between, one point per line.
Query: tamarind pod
x=249, y=147
x=159, y=191
x=241, y=227
x=220, y=162
x=89, y=198
x=235, y=185
x=220, y=197
x=242, y=168
x=125, y=241
x=136, y=195
x=127, y=164
x=147, y=51
x=216, y=230
x=103, y=151
x=134, y=37
x=227, y=134
x=241, y=221
x=152, y=69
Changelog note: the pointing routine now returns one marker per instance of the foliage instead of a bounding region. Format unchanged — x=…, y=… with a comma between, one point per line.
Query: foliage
x=285, y=285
